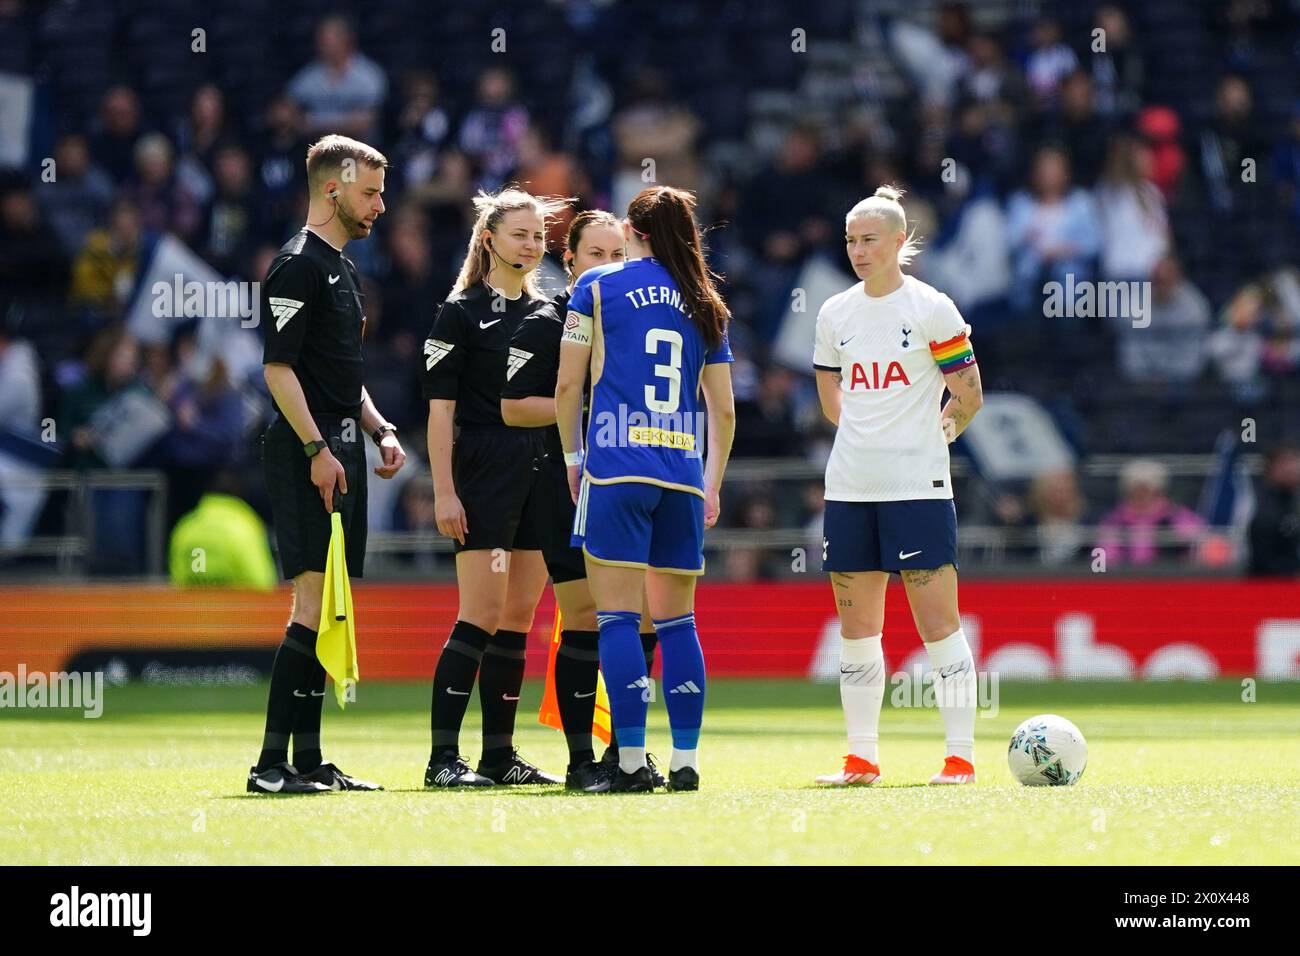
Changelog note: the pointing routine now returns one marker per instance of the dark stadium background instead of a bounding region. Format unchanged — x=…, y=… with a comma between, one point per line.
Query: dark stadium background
x=1144, y=486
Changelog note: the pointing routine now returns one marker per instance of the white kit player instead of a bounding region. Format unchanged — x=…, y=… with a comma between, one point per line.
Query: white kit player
x=886, y=349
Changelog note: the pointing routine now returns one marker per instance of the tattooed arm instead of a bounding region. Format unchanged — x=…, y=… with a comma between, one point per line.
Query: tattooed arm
x=965, y=398
x=828, y=390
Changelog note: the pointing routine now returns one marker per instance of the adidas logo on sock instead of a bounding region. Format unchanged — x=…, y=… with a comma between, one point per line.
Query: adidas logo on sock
x=647, y=687
x=689, y=687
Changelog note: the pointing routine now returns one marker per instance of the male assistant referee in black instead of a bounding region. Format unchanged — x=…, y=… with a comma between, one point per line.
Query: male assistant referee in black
x=313, y=316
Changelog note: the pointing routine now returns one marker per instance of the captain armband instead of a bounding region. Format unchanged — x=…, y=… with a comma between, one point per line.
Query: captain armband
x=577, y=329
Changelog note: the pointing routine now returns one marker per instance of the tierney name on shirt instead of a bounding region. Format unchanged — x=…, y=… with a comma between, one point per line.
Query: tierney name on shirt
x=656, y=295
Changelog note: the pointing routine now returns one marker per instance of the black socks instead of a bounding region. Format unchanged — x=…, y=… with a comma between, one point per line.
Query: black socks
x=577, y=662
x=453, y=680
x=501, y=676
x=293, y=676
x=306, y=716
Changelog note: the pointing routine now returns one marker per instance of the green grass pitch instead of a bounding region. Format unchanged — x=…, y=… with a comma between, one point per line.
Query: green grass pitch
x=1177, y=774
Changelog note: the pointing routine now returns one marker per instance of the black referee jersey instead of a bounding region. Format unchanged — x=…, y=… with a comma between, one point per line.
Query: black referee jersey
x=313, y=317
x=533, y=370
x=313, y=314
x=495, y=466
x=465, y=355
x=534, y=363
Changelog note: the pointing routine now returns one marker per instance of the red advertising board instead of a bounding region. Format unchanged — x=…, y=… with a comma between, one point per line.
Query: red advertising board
x=1041, y=629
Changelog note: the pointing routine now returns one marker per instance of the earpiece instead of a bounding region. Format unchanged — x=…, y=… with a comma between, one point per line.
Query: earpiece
x=333, y=194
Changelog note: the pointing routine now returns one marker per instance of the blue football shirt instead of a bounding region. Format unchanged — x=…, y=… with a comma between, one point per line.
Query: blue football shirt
x=647, y=423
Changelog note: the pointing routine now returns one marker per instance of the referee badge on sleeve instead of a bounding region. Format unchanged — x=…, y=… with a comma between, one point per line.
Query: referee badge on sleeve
x=518, y=358
x=435, y=350
x=283, y=309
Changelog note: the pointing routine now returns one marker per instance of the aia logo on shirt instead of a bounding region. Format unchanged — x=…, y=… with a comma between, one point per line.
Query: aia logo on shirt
x=872, y=376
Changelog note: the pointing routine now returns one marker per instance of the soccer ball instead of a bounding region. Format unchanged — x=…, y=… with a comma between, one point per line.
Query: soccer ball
x=1047, y=751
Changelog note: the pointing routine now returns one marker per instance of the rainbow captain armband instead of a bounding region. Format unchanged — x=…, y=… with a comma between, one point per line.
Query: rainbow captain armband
x=953, y=355
x=577, y=329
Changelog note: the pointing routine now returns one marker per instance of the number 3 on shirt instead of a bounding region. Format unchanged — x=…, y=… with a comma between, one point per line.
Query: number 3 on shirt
x=672, y=371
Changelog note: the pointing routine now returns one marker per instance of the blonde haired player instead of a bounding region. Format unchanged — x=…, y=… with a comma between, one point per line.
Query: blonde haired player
x=886, y=348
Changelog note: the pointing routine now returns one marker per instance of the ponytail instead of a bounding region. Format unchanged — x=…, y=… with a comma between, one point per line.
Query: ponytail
x=664, y=217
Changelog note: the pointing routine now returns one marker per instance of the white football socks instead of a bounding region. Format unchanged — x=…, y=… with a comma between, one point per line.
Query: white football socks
x=862, y=691
x=954, y=692
x=630, y=759
x=685, y=758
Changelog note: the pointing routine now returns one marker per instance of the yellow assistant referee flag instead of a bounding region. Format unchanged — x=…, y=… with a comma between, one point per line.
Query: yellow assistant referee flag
x=336, y=638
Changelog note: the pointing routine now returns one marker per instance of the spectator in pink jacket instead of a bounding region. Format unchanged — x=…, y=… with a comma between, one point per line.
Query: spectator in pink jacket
x=1132, y=533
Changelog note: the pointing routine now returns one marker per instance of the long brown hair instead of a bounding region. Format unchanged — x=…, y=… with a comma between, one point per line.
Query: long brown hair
x=490, y=209
x=664, y=217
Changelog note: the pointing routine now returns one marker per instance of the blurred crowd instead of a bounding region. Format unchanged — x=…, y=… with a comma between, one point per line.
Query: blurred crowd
x=1166, y=154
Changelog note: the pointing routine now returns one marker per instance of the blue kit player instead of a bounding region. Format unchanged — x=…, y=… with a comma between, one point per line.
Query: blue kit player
x=652, y=334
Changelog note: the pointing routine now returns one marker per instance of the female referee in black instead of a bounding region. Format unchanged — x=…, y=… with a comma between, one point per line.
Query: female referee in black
x=486, y=490
x=595, y=238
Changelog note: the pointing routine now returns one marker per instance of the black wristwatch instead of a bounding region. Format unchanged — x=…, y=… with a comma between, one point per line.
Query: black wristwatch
x=314, y=448
x=378, y=434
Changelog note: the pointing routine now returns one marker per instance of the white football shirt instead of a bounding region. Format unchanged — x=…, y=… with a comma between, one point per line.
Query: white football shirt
x=892, y=352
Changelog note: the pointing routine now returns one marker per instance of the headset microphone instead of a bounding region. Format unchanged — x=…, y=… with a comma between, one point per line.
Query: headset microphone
x=493, y=250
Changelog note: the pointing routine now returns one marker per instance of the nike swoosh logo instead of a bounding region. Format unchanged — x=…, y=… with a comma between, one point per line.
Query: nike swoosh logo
x=847, y=341
x=334, y=279
x=508, y=697
x=318, y=693
x=279, y=785
x=458, y=693
x=299, y=693
x=484, y=325
x=580, y=696
x=910, y=554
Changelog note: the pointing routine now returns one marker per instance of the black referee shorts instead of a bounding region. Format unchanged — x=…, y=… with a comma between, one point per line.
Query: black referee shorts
x=564, y=562
x=496, y=472
x=302, y=525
